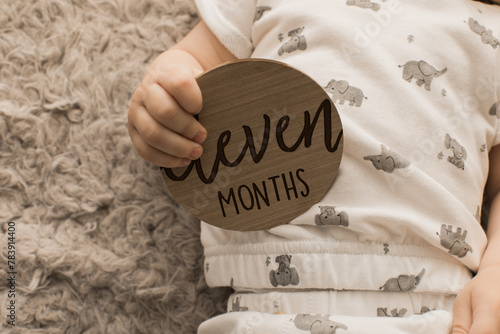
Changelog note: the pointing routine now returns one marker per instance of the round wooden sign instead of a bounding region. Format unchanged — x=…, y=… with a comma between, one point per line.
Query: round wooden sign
x=273, y=148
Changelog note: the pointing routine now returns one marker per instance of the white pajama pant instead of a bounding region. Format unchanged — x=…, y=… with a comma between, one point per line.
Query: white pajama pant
x=309, y=280
x=435, y=322
x=350, y=312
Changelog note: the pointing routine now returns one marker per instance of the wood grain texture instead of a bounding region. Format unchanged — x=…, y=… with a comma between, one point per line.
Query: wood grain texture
x=273, y=149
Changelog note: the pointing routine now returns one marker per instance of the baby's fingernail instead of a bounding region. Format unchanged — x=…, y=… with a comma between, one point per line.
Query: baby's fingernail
x=185, y=162
x=197, y=71
x=196, y=153
x=200, y=137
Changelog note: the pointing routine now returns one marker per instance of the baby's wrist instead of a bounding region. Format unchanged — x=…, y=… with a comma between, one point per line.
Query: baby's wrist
x=489, y=266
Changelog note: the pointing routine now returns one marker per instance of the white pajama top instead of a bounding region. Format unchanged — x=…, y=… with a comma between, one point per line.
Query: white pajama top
x=417, y=85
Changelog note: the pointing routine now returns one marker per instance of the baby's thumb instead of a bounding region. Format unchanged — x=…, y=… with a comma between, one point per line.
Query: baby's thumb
x=462, y=314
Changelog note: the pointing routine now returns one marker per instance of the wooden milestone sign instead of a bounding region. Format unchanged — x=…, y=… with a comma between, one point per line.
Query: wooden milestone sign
x=273, y=148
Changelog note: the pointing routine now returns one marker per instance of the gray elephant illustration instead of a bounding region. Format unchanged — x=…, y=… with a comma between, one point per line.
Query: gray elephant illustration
x=403, y=283
x=495, y=108
x=382, y=312
x=363, y=4
x=317, y=324
x=259, y=11
x=236, y=306
x=486, y=34
x=388, y=160
x=341, y=91
x=330, y=216
x=285, y=274
x=459, y=152
x=422, y=72
x=454, y=241
x=424, y=310
x=297, y=41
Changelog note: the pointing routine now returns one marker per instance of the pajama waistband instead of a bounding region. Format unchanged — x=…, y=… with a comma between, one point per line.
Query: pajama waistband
x=342, y=303
x=334, y=265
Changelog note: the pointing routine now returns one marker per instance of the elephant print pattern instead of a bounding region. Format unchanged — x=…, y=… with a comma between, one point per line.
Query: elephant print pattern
x=418, y=119
x=259, y=12
x=454, y=241
x=422, y=72
x=330, y=216
x=388, y=160
x=403, y=283
x=382, y=313
x=486, y=34
x=235, y=305
x=364, y=4
x=317, y=324
x=495, y=108
x=459, y=152
x=285, y=274
x=341, y=91
x=297, y=41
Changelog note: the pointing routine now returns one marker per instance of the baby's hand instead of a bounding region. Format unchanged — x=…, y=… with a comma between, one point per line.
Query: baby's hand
x=160, y=118
x=477, y=307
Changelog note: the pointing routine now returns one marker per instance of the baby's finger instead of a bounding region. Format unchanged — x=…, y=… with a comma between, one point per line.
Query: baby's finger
x=462, y=314
x=160, y=137
x=167, y=112
x=485, y=322
x=153, y=155
x=181, y=83
x=486, y=315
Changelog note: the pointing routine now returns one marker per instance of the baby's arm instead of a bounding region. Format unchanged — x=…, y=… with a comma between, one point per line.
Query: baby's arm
x=477, y=307
x=160, y=118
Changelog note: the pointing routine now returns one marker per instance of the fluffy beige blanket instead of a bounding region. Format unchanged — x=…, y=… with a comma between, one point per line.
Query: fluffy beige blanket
x=95, y=243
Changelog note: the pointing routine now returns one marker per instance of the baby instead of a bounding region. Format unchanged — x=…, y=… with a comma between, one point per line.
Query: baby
x=410, y=256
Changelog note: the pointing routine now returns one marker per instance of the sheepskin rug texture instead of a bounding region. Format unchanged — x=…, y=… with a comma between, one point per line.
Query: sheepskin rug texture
x=100, y=247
